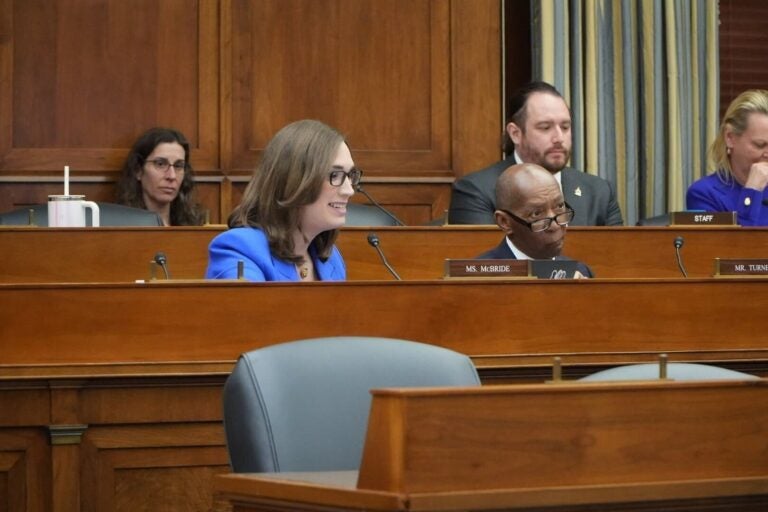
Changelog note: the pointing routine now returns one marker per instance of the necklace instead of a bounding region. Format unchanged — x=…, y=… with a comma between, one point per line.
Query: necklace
x=305, y=267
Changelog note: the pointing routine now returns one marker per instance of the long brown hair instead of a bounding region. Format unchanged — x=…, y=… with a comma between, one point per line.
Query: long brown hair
x=289, y=176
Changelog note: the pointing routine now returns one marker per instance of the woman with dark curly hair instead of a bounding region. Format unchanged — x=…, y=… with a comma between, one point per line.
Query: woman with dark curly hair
x=158, y=176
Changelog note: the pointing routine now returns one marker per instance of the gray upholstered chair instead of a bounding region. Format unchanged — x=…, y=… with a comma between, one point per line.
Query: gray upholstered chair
x=365, y=215
x=676, y=371
x=303, y=405
x=110, y=214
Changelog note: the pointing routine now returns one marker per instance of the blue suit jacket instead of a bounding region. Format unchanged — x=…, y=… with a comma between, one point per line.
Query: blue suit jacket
x=251, y=246
x=711, y=194
x=503, y=252
x=473, y=197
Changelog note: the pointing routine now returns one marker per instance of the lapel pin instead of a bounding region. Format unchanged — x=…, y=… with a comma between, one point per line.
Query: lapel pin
x=577, y=192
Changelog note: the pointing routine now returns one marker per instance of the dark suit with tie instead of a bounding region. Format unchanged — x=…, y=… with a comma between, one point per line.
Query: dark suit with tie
x=503, y=252
x=473, y=198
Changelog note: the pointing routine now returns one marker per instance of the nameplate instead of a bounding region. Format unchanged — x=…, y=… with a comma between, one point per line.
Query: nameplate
x=703, y=219
x=741, y=267
x=554, y=269
x=541, y=269
x=476, y=268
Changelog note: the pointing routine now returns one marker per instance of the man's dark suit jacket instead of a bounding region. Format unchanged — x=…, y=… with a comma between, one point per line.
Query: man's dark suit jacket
x=473, y=198
x=503, y=252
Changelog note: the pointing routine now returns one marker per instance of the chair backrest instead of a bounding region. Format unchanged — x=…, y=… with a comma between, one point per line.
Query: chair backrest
x=365, y=215
x=658, y=220
x=676, y=371
x=110, y=214
x=303, y=405
x=440, y=221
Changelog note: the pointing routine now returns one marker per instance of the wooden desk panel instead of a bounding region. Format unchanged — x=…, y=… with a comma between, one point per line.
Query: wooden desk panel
x=83, y=255
x=419, y=253
x=142, y=365
x=602, y=446
x=577, y=434
x=37, y=255
x=314, y=492
x=96, y=441
x=498, y=323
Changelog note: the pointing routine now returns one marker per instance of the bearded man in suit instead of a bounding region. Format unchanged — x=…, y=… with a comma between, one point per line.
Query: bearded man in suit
x=534, y=216
x=538, y=132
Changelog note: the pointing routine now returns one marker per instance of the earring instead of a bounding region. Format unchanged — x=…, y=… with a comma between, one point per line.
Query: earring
x=728, y=150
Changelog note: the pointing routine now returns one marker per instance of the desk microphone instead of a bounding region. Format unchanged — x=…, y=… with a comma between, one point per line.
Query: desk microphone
x=398, y=222
x=373, y=241
x=678, y=244
x=161, y=260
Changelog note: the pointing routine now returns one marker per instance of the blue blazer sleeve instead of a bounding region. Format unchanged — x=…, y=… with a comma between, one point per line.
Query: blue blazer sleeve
x=711, y=194
x=250, y=245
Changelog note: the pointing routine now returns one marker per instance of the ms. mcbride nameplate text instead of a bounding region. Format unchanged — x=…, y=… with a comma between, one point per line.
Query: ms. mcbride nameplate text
x=509, y=269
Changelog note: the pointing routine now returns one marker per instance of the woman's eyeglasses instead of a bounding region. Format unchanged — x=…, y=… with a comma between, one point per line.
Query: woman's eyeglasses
x=162, y=165
x=337, y=176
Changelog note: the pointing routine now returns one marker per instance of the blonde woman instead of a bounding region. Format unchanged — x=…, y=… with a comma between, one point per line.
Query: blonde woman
x=740, y=156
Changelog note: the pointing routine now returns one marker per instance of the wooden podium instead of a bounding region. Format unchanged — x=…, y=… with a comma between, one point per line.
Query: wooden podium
x=597, y=446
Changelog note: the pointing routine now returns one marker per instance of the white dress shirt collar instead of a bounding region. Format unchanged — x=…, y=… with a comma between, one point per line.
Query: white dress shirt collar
x=520, y=255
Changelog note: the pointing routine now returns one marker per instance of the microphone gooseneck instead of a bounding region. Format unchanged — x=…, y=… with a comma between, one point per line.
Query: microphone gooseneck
x=161, y=260
x=373, y=241
x=359, y=188
x=678, y=244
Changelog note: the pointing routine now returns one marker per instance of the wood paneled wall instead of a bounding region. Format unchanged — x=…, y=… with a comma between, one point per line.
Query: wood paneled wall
x=414, y=84
x=97, y=443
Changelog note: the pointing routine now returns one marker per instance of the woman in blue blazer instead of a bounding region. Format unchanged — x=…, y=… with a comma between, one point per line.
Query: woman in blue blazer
x=285, y=227
x=740, y=154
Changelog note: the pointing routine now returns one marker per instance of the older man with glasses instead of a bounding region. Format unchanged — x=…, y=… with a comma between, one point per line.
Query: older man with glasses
x=534, y=216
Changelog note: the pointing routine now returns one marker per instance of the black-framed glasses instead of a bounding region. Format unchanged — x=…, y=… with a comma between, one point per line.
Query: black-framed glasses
x=561, y=219
x=337, y=176
x=162, y=165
